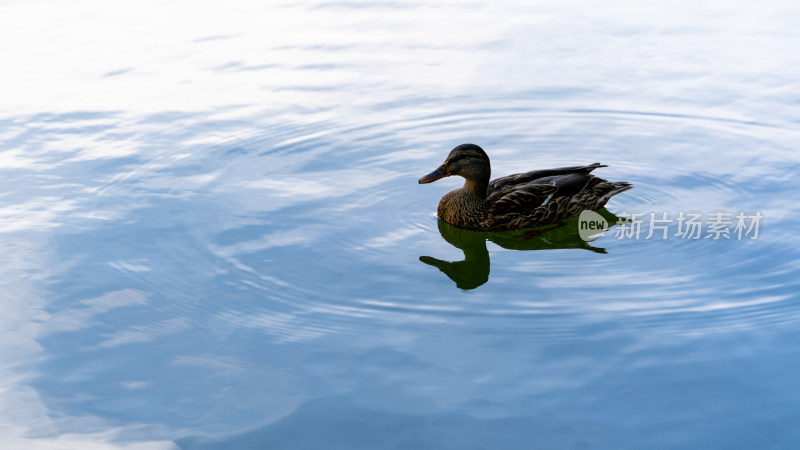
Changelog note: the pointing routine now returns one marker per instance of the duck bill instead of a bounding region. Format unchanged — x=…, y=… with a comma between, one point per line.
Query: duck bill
x=433, y=176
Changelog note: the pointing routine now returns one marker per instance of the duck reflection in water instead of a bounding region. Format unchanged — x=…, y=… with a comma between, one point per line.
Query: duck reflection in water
x=473, y=271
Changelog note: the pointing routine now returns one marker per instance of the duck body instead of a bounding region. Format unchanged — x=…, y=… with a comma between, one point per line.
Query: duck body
x=523, y=200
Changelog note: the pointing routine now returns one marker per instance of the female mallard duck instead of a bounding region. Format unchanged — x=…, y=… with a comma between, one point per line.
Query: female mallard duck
x=522, y=200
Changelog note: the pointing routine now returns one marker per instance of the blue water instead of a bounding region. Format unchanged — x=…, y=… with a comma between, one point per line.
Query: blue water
x=213, y=236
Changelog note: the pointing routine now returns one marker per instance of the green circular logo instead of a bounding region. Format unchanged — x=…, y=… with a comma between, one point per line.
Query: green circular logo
x=591, y=225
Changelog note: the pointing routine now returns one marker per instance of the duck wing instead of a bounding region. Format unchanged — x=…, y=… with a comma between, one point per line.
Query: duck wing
x=503, y=184
x=567, y=185
x=520, y=198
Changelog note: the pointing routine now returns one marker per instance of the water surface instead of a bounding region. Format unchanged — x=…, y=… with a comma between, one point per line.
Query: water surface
x=213, y=236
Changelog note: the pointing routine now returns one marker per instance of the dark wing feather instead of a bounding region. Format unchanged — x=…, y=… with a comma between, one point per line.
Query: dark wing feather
x=568, y=185
x=504, y=183
x=522, y=198
x=540, y=196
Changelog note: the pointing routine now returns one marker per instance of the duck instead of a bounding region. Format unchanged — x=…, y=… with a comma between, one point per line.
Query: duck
x=523, y=200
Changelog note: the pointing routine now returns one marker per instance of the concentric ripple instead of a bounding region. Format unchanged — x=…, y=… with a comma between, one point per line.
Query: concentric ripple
x=346, y=247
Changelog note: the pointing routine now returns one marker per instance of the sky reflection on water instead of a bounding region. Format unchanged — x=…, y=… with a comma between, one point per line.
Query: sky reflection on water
x=212, y=228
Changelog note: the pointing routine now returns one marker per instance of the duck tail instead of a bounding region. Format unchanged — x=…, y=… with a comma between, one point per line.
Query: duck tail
x=593, y=166
x=619, y=186
x=607, y=189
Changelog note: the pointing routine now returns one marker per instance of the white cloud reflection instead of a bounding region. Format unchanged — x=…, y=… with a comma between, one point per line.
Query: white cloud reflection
x=146, y=333
x=26, y=420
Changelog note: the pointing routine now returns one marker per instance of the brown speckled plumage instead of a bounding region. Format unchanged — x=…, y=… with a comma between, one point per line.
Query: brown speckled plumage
x=523, y=200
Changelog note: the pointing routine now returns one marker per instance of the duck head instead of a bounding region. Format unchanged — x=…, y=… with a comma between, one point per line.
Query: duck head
x=466, y=160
